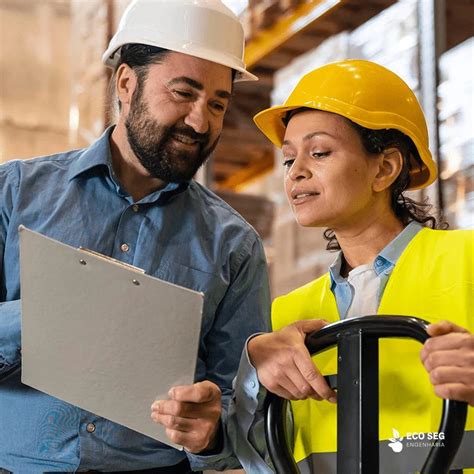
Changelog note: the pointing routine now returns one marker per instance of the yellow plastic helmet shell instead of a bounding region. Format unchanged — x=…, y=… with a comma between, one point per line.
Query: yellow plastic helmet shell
x=365, y=93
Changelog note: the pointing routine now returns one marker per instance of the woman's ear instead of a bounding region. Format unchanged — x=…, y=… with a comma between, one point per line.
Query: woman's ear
x=390, y=166
x=125, y=83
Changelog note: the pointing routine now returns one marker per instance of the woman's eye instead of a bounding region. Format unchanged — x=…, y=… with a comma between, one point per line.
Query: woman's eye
x=288, y=162
x=320, y=154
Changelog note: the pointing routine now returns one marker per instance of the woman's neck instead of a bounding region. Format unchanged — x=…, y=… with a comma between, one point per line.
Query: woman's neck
x=360, y=245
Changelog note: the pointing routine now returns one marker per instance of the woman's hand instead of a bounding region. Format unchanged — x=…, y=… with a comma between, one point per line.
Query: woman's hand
x=448, y=356
x=284, y=365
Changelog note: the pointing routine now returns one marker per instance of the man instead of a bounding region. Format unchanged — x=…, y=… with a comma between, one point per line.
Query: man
x=131, y=196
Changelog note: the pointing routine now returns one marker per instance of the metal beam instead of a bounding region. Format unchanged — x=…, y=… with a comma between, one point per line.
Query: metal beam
x=432, y=39
x=273, y=37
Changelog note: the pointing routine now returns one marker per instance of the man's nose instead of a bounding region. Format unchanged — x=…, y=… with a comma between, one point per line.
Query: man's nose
x=198, y=118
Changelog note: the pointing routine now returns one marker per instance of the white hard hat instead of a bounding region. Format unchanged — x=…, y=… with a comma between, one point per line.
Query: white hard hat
x=206, y=29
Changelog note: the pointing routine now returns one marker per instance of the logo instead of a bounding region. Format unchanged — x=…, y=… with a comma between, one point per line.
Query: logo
x=416, y=440
x=396, y=441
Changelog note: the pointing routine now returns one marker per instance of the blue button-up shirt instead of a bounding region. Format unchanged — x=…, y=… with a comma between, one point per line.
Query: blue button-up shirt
x=383, y=266
x=183, y=234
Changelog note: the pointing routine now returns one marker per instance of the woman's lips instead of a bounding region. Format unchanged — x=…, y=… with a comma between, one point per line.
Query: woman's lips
x=300, y=197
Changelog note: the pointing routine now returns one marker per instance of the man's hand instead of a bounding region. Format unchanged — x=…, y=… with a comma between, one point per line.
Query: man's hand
x=284, y=365
x=448, y=356
x=191, y=416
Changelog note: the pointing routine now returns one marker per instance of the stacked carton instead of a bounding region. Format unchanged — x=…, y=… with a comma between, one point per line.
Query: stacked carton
x=333, y=49
x=261, y=14
x=34, y=78
x=391, y=39
x=456, y=94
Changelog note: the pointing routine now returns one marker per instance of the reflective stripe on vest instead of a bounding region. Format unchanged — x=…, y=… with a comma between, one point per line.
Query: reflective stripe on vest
x=409, y=459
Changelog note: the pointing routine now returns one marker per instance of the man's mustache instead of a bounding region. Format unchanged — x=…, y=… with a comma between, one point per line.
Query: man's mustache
x=188, y=132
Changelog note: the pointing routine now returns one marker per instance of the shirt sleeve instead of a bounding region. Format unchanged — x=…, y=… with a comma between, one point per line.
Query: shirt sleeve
x=223, y=459
x=244, y=310
x=10, y=311
x=246, y=422
x=10, y=336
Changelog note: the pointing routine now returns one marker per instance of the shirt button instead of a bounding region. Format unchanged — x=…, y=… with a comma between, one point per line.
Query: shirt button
x=124, y=248
x=90, y=427
x=135, y=208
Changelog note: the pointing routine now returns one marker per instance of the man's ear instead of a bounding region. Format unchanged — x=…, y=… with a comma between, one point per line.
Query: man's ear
x=125, y=83
x=390, y=166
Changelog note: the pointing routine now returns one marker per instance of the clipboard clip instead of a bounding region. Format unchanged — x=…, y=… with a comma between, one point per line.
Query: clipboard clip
x=109, y=259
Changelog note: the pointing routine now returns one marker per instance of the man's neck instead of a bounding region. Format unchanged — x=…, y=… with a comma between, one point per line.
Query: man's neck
x=131, y=174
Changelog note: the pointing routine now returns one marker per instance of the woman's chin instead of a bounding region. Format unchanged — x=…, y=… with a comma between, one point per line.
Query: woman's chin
x=308, y=221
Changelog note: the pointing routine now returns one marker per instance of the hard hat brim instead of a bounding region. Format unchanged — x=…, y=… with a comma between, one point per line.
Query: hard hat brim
x=111, y=58
x=270, y=123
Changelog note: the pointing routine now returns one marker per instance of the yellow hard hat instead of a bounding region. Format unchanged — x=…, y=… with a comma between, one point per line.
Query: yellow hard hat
x=365, y=93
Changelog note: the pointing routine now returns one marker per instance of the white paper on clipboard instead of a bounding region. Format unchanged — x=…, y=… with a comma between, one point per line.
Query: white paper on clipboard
x=102, y=336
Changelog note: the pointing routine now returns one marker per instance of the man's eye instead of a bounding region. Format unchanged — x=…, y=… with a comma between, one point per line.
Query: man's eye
x=288, y=162
x=184, y=94
x=218, y=106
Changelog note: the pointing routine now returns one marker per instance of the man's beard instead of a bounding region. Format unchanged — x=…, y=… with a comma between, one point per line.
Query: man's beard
x=152, y=144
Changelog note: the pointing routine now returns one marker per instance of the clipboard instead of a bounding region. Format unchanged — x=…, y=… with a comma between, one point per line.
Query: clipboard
x=102, y=335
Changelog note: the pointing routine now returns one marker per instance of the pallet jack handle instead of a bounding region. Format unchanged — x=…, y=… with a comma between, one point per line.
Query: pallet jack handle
x=358, y=443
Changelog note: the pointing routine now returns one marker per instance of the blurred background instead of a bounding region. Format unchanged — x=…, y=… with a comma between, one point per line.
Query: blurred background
x=54, y=96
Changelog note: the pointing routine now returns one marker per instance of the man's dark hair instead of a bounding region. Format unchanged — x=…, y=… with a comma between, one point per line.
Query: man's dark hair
x=374, y=143
x=139, y=57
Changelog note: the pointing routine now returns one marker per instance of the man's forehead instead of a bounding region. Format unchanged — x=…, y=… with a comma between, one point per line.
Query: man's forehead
x=185, y=62
x=204, y=73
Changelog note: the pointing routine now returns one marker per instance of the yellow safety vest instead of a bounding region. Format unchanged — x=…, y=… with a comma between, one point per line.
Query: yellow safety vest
x=433, y=280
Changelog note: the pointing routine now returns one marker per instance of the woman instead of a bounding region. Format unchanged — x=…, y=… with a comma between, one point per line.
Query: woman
x=354, y=138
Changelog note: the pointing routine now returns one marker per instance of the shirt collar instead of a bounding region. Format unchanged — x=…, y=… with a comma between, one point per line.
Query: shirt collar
x=386, y=259
x=99, y=155
x=391, y=253
x=96, y=155
x=335, y=271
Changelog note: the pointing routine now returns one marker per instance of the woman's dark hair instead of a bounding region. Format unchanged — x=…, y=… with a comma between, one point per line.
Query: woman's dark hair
x=405, y=208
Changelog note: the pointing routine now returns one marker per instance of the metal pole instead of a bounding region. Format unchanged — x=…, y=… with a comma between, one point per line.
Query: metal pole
x=432, y=40
x=358, y=404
